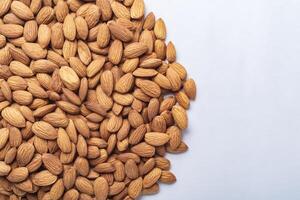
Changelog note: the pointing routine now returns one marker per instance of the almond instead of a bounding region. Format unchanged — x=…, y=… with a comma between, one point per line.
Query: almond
x=43, y=178
x=180, y=116
x=151, y=178
x=21, y=10
x=13, y=116
x=44, y=130
x=135, y=50
x=190, y=88
x=101, y=188
x=52, y=163
x=25, y=154
x=103, y=36
x=135, y=188
x=34, y=50
x=57, y=190
x=143, y=149
x=156, y=139
x=149, y=87
x=120, y=32
x=11, y=30
x=18, y=175
x=69, y=78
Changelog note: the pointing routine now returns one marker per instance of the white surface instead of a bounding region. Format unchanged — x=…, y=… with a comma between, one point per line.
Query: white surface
x=244, y=127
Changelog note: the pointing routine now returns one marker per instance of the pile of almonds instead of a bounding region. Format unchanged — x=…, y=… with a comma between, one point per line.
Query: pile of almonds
x=91, y=100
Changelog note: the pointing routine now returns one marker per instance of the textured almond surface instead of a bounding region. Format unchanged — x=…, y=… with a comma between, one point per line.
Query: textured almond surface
x=92, y=98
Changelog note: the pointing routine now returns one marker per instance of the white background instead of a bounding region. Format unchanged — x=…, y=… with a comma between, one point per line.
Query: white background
x=244, y=133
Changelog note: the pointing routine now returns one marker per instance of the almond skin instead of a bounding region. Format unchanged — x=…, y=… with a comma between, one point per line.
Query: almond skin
x=18, y=175
x=44, y=130
x=156, y=139
x=13, y=116
x=25, y=154
x=43, y=178
x=52, y=163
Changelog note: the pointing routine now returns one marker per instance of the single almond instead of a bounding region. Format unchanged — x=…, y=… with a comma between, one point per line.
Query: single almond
x=103, y=36
x=135, y=188
x=21, y=10
x=143, y=149
x=11, y=30
x=52, y=163
x=101, y=188
x=135, y=50
x=18, y=174
x=13, y=116
x=43, y=178
x=156, y=139
x=180, y=116
x=44, y=130
x=120, y=32
x=151, y=178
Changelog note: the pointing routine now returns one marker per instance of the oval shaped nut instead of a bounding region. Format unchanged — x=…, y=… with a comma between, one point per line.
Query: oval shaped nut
x=115, y=52
x=151, y=178
x=56, y=119
x=174, y=79
x=182, y=99
x=45, y=15
x=21, y=10
x=180, y=116
x=137, y=9
x=25, y=154
x=43, y=178
x=84, y=185
x=61, y=10
x=190, y=88
x=156, y=138
x=13, y=117
x=11, y=30
x=81, y=27
x=143, y=149
x=4, y=169
x=160, y=29
x=95, y=66
x=107, y=82
x=18, y=174
x=135, y=188
x=34, y=50
x=35, y=163
x=44, y=35
x=171, y=52
x=17, y=83
x=167, y=177
x=116, y=188
x=120, y=10
x=22, y=97
x=120, y=32
x=57, y=190
x=103, y=36
x=131, y=169
x=30, y=31
x=125, y=83
x=149, y=87
x=63, y=141
x=69, y=78
x=69, y=27
x=44, y=130
x=69, y=177
x=20, y=69
x=43, y=66
x=72, y=194
x=135, y=50
x=52, y=163
x=101, y=188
